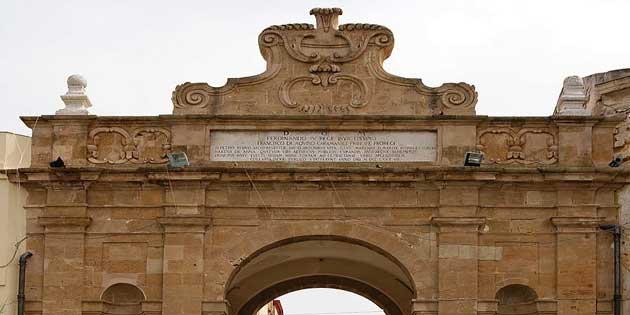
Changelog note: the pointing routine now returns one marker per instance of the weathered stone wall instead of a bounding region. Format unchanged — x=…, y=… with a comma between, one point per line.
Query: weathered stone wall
x=179, y=235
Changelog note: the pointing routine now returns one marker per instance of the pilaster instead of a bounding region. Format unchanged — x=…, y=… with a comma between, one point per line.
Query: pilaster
x=457, y=264
x=63, y=263
x=576, y=252
x=183, y=264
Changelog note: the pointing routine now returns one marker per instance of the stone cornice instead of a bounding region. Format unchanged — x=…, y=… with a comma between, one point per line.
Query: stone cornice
x=458, y=221
x=577, y=224
x=62, y=220
x=319, y=172
x=214, y=307
x=458, y=224
x=185, y=220
x=185, y=224
x=64, y=224
x=30, y=120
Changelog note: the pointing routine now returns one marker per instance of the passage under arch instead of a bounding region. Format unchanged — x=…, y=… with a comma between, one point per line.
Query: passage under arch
x=320, y=263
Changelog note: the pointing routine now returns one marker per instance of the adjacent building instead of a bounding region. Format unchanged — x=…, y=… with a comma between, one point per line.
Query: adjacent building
x=15, y=152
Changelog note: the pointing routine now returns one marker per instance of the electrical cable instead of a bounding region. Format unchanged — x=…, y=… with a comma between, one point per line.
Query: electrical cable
x=337, y=313
x=17, y=248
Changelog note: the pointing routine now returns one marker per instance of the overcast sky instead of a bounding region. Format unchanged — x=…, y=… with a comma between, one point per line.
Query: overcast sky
x=327, y=302
x=133, y=53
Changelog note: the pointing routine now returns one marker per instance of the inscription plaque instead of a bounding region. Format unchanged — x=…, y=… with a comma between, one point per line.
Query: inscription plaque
x=323, y=146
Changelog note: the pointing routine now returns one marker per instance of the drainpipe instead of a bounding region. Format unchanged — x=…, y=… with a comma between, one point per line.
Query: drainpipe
x=616, y=230
x=20, y=296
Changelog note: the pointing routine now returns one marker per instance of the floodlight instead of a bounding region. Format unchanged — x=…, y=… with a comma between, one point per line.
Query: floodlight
x=473, y=159
x=177, y=159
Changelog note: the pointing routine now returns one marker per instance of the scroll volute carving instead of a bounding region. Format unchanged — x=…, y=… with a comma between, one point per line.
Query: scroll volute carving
x=505, y=145
x=109, y=146
x=325, y=69
x=115, y=145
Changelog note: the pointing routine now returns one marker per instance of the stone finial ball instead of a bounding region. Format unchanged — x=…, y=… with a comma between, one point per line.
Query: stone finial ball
x=77, y=80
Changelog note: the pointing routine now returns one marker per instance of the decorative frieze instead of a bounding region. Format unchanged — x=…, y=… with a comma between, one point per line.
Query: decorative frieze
x=577, y=224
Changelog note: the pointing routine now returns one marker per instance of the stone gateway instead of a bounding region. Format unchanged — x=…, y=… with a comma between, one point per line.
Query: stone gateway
x=324, y=171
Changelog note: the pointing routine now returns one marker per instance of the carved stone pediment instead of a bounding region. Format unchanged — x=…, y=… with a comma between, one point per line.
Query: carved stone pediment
x=327, y=69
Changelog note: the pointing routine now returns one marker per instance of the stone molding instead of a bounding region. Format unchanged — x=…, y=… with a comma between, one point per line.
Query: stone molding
x=185, y=224
x=214, y=307
x=487, y=307
x=98, y=307
x=458, y=224
x=64, y=224
x=547, y=307
x=64, y=221
x=491, y=307
x=577, y=224
x=424, y=307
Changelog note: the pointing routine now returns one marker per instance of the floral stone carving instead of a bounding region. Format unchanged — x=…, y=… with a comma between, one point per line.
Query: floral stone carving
x=325, y=69
x=504, y=145
x=114, y=145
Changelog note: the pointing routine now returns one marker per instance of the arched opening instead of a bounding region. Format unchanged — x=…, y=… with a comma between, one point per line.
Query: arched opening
x=327, y=301
x=517, y=299
x=320, y=262
x=122, y=299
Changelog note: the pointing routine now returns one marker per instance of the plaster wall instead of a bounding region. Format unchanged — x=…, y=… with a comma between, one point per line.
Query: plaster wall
x=14, y=152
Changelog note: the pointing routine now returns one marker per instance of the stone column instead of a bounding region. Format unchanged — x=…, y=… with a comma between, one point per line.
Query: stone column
x=183, y=264
x=576, y=251
x=458, y=264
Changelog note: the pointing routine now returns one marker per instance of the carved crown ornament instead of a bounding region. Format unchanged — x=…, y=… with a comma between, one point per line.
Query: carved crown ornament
x=325, y=69
x=527, y=145
x=115, y=145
